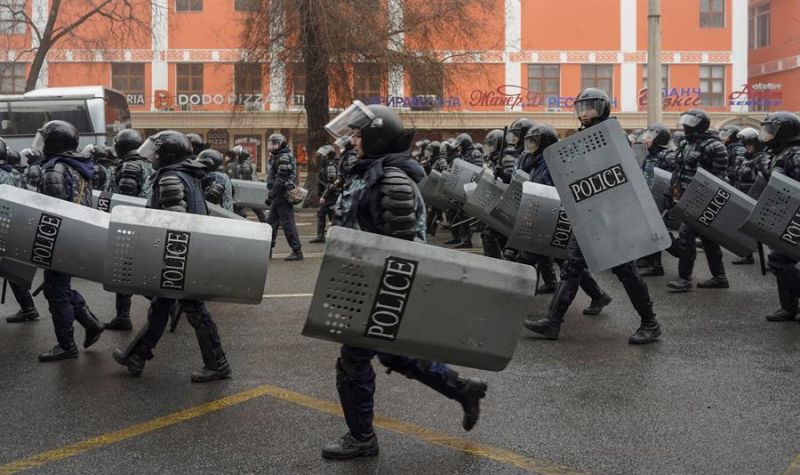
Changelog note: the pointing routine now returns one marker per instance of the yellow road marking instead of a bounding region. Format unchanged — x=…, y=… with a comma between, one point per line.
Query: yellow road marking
x=794, y=467
x=428, y=435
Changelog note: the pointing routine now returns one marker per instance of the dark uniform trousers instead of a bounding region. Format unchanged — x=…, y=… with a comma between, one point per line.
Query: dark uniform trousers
x=158, y=317
x=283, y=213
x=687, y=248
x=62, y=300
x=788, y=277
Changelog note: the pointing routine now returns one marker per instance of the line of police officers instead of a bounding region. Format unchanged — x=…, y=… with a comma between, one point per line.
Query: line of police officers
x=370, y=182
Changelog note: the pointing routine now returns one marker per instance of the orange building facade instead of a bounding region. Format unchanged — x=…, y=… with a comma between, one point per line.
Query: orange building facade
x=535, y=56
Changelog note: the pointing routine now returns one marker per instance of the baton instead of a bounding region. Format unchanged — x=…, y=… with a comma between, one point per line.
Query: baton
x=38, y=289
x=3, y=297
x=760, y=258
x=466, y=221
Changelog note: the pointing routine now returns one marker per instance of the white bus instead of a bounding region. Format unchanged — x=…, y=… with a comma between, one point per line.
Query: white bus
x=98, y=113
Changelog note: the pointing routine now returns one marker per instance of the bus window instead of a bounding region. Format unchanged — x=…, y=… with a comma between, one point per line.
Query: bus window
x=27, y=117
x=118, y=117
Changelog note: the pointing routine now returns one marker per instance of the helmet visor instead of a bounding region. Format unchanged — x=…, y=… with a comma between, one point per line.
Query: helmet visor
x=589, y=108
x=350, y=121
x=513, y=137
x=38, y=143
x=725, y=134
x=531, y=144
x=648, y=136
x=148, y=150
x=689, y=120
x=768, y=131
x=428, y=152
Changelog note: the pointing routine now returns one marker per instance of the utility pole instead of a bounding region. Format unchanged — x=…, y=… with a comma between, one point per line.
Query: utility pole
x=655, y=102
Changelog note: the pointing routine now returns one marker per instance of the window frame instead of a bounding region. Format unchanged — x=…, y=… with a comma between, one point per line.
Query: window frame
x=664, y=76
x=709, y=98
x=129, y=90
x=13, y=24
x=252, y=86
x=245, y=6
x=543, y=77
x=756, y=13
x=190, y=6
x=373, y=70
x=14, y=78
x=709, y=17
x=191, y=78
x=595, y=78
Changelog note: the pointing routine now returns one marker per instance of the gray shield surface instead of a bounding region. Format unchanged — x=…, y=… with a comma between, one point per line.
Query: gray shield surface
x=612, y=211
x=105, y=201
x=17, y=272
x=249, y=194
x=639, y=152
x=417, y=300
x=432, y=189
x=716, y=209
x=460, y=173
x=542, y=226
x=482, y=200
x=507, y=207
x=775, y=220
x=220, y=212
x=186, y=256
x=661, y=188
x=54, y=234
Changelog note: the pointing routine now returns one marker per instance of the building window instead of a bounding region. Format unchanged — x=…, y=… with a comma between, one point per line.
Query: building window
x=427, y=86
x=246, y=5
x=297, y=82
x=128, y=78
x=12, y=78
x=712, y=13
x=600, y=76
x=12, y=18
x=247, y=82
x=544, y=82
x=189, y=5
x=190, y=78
x=712, y=86
x=758, y=26
x=368, y=81
x=664, y=76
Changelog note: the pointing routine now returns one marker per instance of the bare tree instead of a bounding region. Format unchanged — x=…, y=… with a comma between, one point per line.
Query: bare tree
x=121, y=19
x=328, y=38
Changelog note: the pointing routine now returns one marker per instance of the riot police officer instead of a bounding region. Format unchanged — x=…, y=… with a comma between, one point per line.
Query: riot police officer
x=467, y=151
x=240, y=167
x=383, y=198
x=735, y=148
x=592, y=107
x=197, y=144
x=33, y=172
x=780, y=131
x=434, y=161
x=133, y=178
x=9, y=175
x=66, y=175
x=217, y=186
x=282, y=173
x=328, y=174
x=493, y=242
x=103, y=176
x=176, y=188
x=699, y=149
x=659, y=155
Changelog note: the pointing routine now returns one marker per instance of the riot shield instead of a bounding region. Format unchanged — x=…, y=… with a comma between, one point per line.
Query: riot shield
x=106, y=201
x=461, y=173
x=483, y=199
x=541, y=226
x=716, y=209
x=249, y=194
x=432, y=191
x=218, y=211
x=186, y=256
x=603, y=191
x=661, y=188
x=758, y=187
x=54, y=234
x=17, y=272
x=775, y=220
x=422, y=301
x=507, y=207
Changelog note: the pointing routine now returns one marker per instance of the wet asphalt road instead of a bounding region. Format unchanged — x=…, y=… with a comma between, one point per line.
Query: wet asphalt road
x=718, y=394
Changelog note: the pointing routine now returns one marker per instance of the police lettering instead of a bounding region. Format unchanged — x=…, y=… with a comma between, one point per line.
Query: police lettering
x=714, y=207
x=390, y=301
x=563, y=231
x=45, y=240
x=176, y=253
x=601, y=181
x=791, y=234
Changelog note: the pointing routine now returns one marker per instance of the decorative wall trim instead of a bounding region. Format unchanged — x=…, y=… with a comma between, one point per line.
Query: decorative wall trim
x=777, y=66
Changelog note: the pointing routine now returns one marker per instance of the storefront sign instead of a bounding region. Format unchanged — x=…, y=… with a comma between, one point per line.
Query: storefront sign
x=219, y=139
x=509, y=95
x=758, y=94
x=675, y=97
x=135, y=99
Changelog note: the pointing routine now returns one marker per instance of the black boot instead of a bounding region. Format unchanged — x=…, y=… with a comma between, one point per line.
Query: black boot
x=91, y=324
x=716, y=282
x=545, y=327
x=348, y=447
x=294, y=256
x=463, y=245
x=23, y=315
x=597, y=305
x=122, y=321
x=680, y=285
x=548, y=276
x=648, y=332
x=215, y=364
x=320, y=239
x=135, y=355
x=786, y=296
x=65, y=349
